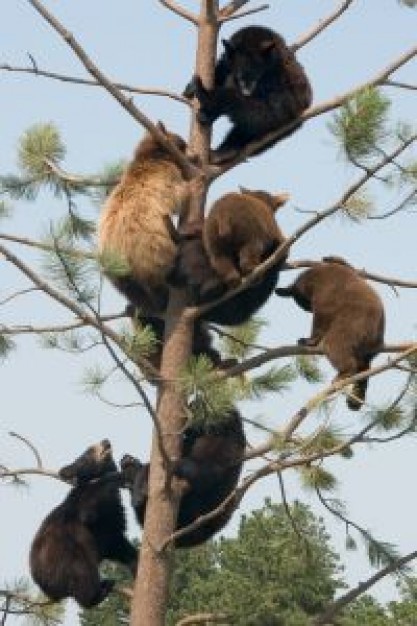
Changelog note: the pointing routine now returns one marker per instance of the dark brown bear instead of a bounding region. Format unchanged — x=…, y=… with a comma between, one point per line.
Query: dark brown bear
x=194, y=270
x=87, y=527
x=348, y=319
x=239, y=233
x=133, y=222
x=211, y=463
x=259, y=85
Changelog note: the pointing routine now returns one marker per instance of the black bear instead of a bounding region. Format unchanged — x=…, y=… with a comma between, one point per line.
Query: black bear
x=211, y=463
x=348, y=318
x=259, y=85
x=88, y=526
x=133, y=224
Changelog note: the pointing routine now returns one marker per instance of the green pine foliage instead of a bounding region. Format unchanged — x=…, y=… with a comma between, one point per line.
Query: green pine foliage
x=73, y=273
x=360, y=125
x=273, y=380
x=259, y=578
x=308, y=368
x=141, y=343
x=316, y=477
x=358, y=207
x=240, y=340
x=113, y=264
x=211, y=397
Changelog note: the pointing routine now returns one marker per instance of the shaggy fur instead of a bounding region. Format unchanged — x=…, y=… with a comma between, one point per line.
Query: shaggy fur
x=133, y=224
x=88, y=526
x=239, y=233
x=259, y=85
x=211, y=463
x=348, y=318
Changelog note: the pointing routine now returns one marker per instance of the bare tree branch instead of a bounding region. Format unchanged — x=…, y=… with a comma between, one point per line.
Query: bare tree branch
x=127, y=103
x=39, y=330
x=331, y=611
x=396, y=83
x=92, y=83
x=236, y=16
x=31, y=447
x=17, y=294
x=322, y=25
x=175, y=8
x=387, y=280
x=32, y=243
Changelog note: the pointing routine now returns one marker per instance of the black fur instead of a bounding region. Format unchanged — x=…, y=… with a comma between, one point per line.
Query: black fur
x=211, y=463
x=259, y=85
x=88, y=526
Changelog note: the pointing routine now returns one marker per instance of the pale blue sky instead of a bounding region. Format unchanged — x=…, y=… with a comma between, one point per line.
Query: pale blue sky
x=142, y=43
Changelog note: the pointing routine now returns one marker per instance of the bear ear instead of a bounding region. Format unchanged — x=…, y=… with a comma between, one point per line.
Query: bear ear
x=266, y=47
x=280, y=199
x=160, y=126
x=228, y=47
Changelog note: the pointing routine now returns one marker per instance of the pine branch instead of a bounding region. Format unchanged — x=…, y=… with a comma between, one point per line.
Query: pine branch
x=79, y=311
x=204, y=618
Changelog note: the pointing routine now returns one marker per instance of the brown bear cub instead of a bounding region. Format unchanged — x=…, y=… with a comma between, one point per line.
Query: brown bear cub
x=87, y=527
x=239, y=233
x=348, y=318
x=259, y=85
x=133, y=224
x=211, y=463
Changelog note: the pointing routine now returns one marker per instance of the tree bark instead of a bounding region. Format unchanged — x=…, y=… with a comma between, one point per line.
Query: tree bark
x=151, y=591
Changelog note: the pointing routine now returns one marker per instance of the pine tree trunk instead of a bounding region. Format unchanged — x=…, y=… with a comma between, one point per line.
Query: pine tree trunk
x=151, y=592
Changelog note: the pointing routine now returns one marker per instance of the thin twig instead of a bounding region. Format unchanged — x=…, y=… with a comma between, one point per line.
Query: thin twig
x=387, y=280
x=17, y=294
x=31, y=447
x=324, y=23
x=187, y=15
x=236, y=16
x=32, y=243
x=39, y=330
x=92, y=83
x=397, y=209
x=396, y=83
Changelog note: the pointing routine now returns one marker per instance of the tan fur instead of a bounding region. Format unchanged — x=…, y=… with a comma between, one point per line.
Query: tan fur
x=240, y=232
x=132, y=225
x=348, y=318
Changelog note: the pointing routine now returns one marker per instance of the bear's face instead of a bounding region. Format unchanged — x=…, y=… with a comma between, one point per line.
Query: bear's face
x=249, y=58
x=95, y=462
